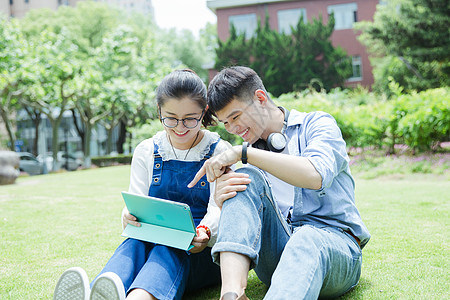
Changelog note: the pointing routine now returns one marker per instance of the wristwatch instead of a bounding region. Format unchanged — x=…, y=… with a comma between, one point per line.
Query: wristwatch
x=244, y=152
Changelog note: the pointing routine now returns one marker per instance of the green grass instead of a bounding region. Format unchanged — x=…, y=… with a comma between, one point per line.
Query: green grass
x=53, y=222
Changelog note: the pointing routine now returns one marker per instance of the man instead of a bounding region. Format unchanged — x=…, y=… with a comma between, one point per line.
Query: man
x=289, y=213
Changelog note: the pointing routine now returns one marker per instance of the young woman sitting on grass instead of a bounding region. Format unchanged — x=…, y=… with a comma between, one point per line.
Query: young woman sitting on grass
x=162, y=167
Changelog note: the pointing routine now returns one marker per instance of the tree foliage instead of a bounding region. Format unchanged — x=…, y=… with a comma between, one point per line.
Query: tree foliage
x=12, y=53
x=193, y=52
x=413, y=39
x=100, y=63
x=288, y=62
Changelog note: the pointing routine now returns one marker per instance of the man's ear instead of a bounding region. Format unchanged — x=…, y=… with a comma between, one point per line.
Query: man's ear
x=261, y=96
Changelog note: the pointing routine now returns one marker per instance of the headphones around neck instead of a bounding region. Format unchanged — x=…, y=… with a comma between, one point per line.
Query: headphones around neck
x=276, y=142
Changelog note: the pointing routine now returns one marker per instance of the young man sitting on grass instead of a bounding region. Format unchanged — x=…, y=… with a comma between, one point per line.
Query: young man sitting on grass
x=290, y=212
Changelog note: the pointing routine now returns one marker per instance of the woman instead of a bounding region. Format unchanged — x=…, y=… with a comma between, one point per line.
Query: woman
x=162, y=167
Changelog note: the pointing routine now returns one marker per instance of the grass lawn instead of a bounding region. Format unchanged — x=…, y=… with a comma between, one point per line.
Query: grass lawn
x=53, y=222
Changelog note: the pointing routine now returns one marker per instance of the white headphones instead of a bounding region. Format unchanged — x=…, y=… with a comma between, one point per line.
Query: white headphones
x=276, y=142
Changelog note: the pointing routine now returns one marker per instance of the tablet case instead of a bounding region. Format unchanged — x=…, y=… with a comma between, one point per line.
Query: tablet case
x=162, y=221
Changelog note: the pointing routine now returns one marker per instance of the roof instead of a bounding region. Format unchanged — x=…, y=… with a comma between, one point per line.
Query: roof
x=218, y=4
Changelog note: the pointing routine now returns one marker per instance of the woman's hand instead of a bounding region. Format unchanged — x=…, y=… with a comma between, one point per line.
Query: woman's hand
x=128, y=218
x=200, y=241
x=217, y=165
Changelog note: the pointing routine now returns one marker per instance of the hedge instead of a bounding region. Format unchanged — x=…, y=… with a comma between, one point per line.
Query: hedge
x=106, y=161
x=419, y=120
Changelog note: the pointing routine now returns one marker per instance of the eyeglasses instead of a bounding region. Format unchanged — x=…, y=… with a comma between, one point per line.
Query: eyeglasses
x=187, y=122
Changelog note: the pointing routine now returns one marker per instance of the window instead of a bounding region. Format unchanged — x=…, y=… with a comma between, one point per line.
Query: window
x=11, y=2
x=356, y=68
x=27, y=1
x=288, y=18
x=244, y=24
x=344, y=14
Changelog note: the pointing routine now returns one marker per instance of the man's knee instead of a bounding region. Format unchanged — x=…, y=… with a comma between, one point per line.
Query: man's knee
x=258, y=185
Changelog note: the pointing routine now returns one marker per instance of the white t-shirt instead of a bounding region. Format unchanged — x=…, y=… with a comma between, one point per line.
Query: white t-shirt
x=142, y=169
x=282, y=192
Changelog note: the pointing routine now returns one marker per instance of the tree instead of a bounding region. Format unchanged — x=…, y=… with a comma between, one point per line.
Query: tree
x=315, y=58
x=236, y=50
x=272, y=58
x=287, y=63
x=412, y=37
x=191, y=51
x=12, y=54
x=109, y=53
x=54, y=69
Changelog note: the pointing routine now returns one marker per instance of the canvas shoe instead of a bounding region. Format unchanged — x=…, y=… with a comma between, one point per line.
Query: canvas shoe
x=72, y=285
x=108, y=286
x=234, y=296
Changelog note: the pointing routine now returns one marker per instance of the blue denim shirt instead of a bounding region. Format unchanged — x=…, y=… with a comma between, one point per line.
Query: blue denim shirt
x=316, y=136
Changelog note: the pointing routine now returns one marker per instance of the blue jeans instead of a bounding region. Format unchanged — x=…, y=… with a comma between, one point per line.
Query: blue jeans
x=162, y=271
x=296, y=261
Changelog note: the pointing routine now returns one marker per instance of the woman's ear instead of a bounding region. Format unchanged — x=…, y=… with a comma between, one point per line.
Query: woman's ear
x=206, y=108
x=158, y=109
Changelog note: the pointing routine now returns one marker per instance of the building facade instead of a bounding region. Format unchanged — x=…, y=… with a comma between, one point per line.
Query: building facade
x=283, y=14
x=68, y=137
x=18, y=8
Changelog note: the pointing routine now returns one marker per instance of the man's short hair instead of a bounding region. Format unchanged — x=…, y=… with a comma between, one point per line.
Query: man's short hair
x=238, y=83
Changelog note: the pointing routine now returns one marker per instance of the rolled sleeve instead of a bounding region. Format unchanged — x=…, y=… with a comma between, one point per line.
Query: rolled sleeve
x=326, y=148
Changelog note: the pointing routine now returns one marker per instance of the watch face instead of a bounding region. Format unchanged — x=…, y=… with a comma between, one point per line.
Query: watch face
x=278, y=141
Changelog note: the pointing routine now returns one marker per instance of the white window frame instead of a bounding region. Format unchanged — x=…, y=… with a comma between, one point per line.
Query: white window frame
x=246, y=23
x=288, y=18
x=344, y=14
x=356, y=63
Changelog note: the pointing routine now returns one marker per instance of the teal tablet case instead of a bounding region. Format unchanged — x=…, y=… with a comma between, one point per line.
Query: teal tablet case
x=162, y=221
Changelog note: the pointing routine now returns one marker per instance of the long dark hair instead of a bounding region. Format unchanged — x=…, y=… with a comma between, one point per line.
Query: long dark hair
x=184, y=83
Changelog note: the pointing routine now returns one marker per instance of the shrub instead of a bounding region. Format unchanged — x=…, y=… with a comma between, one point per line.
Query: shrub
x=107, y=161
x=419, y=120
x=426, y=120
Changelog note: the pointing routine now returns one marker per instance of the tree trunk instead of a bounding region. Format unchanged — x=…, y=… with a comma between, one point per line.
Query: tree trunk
x=87, y=145
x=35, y=117
x=80, y=131
x=55, y=128
x=109, y=140
x=122, y=136
x=9, y=129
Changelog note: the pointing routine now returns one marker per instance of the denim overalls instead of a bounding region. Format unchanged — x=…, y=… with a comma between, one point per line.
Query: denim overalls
x=163, y=271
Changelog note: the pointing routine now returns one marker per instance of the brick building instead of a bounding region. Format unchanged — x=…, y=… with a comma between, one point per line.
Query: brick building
x=283, y=14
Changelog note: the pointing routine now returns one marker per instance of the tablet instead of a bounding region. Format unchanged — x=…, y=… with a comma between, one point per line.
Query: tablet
x=162, y=221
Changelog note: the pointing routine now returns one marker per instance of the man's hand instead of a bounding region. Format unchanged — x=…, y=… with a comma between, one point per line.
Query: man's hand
x=128, y=218
x=217, y=165
x=200, y=241
x=228, y=185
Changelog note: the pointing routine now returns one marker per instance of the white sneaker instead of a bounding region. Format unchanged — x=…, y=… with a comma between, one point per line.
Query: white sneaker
x=72, y=285
x=108, y=286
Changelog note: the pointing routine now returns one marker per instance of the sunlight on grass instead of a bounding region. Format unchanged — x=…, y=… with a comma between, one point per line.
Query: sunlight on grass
x=53, y=222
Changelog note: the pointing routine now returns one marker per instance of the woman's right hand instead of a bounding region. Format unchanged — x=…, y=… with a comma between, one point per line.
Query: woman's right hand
x=128, y=218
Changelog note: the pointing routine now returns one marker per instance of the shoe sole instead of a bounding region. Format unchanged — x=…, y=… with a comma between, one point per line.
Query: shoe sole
x=107, y=286
x=72, y=285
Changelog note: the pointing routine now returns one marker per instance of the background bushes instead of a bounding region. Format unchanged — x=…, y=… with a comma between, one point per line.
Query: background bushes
x=418, y=120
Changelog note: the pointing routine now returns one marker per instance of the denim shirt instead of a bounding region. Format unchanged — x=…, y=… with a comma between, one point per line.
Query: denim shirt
x=317, y=137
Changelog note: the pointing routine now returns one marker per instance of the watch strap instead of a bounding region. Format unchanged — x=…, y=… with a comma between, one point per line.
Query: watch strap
x=244, y=152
